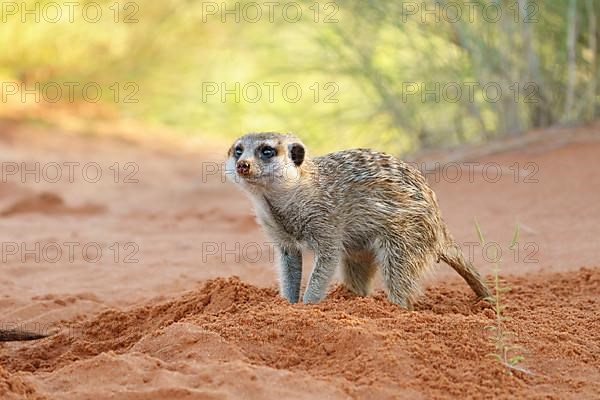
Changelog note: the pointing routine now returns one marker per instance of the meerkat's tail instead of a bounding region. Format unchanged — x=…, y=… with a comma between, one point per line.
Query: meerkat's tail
x=454, y=257
x=10, y=335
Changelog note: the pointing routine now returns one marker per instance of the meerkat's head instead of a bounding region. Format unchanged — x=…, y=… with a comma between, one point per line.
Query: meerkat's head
x=266, y=161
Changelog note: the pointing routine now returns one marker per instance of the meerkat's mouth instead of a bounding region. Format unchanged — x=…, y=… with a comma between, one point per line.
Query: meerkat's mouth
x=253, y=180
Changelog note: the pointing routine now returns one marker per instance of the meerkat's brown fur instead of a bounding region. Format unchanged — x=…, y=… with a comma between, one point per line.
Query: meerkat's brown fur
x=358, y=208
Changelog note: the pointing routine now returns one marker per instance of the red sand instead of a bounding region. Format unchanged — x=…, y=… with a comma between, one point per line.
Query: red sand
x=167, y=327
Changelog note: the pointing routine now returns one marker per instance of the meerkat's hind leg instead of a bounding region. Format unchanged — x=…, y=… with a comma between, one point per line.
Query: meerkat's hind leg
x=400, y=274
x=358, y=271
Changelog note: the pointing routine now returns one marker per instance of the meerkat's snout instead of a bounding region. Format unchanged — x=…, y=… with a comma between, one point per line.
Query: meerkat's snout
x=243, y=168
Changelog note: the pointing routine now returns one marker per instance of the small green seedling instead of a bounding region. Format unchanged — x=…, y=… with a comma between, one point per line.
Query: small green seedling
x=502, y=339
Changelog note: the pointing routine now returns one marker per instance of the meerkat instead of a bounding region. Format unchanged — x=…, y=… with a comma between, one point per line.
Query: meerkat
x=359, y=208
x=12, y=335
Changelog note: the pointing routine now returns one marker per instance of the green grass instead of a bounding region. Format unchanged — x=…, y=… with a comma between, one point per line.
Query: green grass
x=504, y=341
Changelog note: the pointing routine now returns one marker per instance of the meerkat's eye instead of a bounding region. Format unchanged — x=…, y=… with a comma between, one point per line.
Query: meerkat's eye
x=268, y=152
x=238, y=151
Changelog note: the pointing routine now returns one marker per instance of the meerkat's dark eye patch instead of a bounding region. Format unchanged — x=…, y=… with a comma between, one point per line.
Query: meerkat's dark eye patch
x=268, y=152
x=297, y=153
x=238, y=151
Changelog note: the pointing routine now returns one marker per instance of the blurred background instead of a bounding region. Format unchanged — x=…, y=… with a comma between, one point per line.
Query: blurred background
x=407, y=75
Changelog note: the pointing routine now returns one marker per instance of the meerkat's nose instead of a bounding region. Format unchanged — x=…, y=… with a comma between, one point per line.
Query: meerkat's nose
x=243, y=167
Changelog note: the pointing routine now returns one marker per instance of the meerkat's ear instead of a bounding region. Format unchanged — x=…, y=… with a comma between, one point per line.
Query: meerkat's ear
x=297, y=153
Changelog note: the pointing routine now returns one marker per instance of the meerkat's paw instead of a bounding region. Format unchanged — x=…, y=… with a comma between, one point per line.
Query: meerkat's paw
x=312, y=298
x=291, y=297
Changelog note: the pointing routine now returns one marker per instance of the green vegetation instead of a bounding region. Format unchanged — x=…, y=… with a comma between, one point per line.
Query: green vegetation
x=503, y=340
x=364, y=66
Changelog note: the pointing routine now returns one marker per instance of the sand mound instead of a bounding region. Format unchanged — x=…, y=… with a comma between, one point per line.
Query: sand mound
x=14, y=387
x=48, y=203
x=359, y=345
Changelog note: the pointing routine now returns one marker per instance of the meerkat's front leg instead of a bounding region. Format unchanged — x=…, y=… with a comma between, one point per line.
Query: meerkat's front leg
x=290, y=273
x=325, y=264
